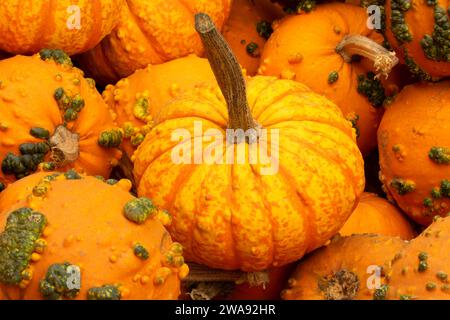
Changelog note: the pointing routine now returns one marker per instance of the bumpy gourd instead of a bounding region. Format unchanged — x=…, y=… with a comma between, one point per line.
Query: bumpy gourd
x=51, y=116
x=345, y=269
x=247, y=30
x=323, y=50
x=251, y=216
x=376, y=215
x=414, y=144
x=45, y=237
x=150, y=32
x=422, y=269
x=29, y=27
x=419, y=33
x=138, y=99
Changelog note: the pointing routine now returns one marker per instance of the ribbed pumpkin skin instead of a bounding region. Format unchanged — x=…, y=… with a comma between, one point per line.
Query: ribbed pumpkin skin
x=160, y=83
x=240, y=30
x=376, y=215
x=354, y=254
x=27, y=101
x=405, y=278
x=34, y=25
x=413, y=124
x=92, y=233
x=231, y=216
x=420, y=21
x=302, y=47
x=151, y=32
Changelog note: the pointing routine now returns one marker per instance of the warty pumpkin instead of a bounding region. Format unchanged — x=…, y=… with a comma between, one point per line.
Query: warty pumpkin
x=75, y=27
x=239, y=213
x=419, y=32
x=51, y=116
x=322, y=49
x=247, y=30
x=139, y=98
x=377, y=215
x=150, y=32
x=50, y=222
x=422, y=269
x=414, y=147
x=345, y=269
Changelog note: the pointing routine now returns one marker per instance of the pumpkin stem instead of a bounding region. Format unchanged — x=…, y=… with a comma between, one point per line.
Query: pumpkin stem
x=228, y=75
x=65, y=146
x=341, y=285
x=383, y=59
x=206, y=283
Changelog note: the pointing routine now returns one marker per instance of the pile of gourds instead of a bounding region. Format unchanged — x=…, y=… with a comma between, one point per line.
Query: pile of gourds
x=94, y=206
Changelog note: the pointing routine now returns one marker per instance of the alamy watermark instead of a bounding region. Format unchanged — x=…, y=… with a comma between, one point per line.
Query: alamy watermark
x=74, y=19
x=375, y=17
x=212, y=147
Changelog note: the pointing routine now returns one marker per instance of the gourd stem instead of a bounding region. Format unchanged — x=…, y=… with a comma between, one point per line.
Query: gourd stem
x=383, y=59
x=228, y=74
x=65, y=146
x=200, y=273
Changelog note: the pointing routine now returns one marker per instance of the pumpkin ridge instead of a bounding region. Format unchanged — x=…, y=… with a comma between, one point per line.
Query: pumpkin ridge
x=301, y=201
x=277, y=99
x=348, y=173
x=318, y=152
x=258, y=97
x=237, y=253
x=149, y=37
x=48, y=23
x=96, y=32
x=268, y=210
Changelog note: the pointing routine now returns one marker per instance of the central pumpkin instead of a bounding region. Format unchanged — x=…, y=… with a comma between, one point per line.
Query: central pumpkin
x=235, y=216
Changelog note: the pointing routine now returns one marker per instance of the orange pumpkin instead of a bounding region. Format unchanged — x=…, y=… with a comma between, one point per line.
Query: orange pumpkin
x=238, y=213
x=322, y=49
x=138, y=99
x=376, y=215
x=414, y=147
x=247, y=30
x=418, y=31
x=422, y=270
x=150, y=32
x=51, y=116
x=116, y=257
x=73, y=27
x=346, y=269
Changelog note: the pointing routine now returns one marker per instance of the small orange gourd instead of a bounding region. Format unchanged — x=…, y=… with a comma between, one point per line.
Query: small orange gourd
x=418, y=31
x=150, y=32
x=331, y=50
x=414, y=147
x=72, y=26
x=51, y=116
x=376, y=215
x=247, y=30
x=59, y=240
x=422, y=270
x=138, y=99
x=349, y=268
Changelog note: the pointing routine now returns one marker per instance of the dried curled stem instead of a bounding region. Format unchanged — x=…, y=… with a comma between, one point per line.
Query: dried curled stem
x=383, y=59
